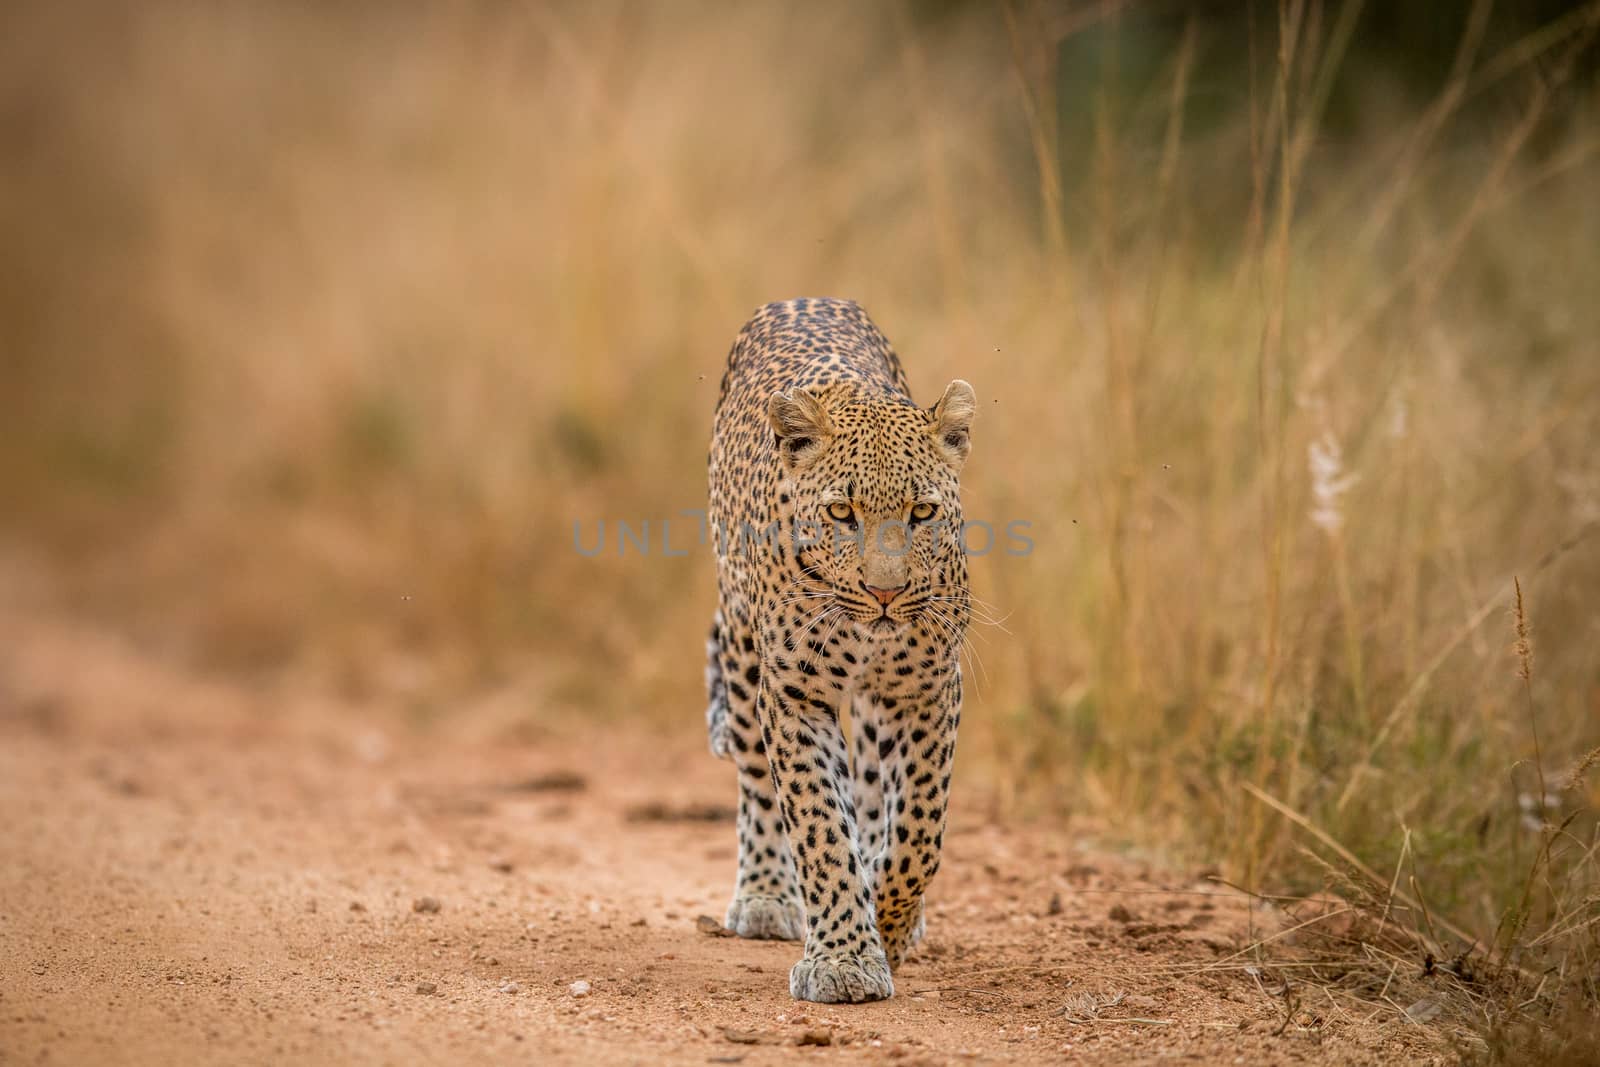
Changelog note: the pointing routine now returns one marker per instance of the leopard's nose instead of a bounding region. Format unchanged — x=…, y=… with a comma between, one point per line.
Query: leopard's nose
x=884, y=596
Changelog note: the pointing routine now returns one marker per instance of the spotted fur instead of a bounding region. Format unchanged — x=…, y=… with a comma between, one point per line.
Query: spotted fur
x=855, y=608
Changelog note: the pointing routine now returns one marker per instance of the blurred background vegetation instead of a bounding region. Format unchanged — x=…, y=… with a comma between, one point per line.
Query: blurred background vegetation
x=321, y=325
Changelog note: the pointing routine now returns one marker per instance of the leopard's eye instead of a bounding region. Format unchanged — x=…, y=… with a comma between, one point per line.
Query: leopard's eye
x=841, y=512
x=922, y=512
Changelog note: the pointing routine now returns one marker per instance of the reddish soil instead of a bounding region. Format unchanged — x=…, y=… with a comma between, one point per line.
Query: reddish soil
x=197, y=871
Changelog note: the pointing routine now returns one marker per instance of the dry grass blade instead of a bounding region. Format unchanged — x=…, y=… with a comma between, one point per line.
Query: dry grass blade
x=1346, y=855
x=1581, y=771
x=1087, y=1009
x=1408, y=701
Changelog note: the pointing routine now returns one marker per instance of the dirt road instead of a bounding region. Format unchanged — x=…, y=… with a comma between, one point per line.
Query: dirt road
x=197, y=872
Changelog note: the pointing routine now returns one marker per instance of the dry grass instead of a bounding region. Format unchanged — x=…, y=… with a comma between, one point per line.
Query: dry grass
x=324, y=325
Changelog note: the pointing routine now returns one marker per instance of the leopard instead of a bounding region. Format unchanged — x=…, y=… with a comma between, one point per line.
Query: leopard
x=833, y=664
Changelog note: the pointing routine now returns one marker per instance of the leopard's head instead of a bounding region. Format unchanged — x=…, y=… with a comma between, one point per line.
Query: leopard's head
x=870, y=488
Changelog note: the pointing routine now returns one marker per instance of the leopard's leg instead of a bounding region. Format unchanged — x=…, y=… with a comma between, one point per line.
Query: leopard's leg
x=766, y=895
x=866, y=773
x=917, y=743
x=843, y=961
x=866, y=776
x=716, y=693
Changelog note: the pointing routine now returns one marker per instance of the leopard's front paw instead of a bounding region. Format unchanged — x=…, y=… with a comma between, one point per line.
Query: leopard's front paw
x=766, y=917
x=842, y=979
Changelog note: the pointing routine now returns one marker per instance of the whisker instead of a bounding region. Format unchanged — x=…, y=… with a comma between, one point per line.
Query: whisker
x=978, y=614
x=794, y=643
x=964, y=646
x=977, y=671
x=812, y=661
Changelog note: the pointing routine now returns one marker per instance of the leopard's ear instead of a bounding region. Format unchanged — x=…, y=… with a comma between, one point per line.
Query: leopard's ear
x=801, y=424
x=951, y=422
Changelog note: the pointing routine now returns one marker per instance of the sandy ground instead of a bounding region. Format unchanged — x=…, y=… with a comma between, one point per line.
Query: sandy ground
x=196, y=872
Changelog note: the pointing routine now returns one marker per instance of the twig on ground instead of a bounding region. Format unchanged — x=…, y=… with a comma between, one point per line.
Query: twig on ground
x=960, y=989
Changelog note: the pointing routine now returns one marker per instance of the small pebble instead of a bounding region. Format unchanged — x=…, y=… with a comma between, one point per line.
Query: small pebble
x=579, y=989
x=711, y=927
x=427, y=989
x=510, y=988
x=426, y=905
x=356, y=905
